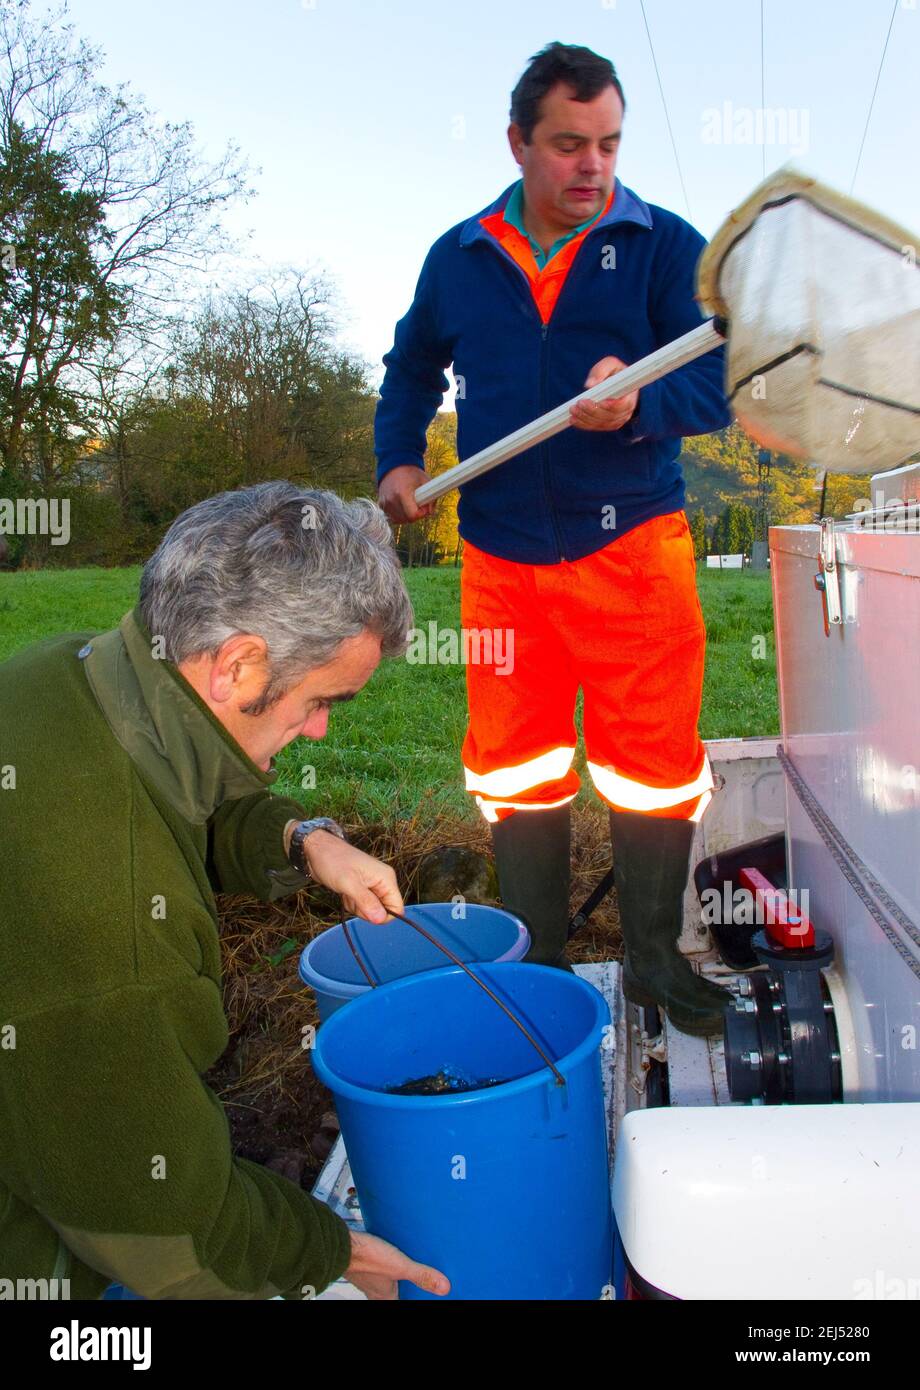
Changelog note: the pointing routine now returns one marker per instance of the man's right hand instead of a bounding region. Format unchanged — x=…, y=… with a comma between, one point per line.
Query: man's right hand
x=397, y=494
x=376, y=1266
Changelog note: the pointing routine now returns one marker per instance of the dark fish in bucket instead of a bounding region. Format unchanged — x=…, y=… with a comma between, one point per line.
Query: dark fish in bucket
x=442, y=1083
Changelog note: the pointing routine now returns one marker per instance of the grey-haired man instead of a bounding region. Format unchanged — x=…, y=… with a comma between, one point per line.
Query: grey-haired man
x=142, y=761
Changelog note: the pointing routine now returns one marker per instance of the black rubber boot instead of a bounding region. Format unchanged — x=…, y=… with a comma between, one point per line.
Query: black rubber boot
x=651, y=860
x=533, y=860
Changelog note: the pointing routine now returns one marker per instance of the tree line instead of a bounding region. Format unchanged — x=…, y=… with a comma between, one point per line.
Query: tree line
x=733, y=532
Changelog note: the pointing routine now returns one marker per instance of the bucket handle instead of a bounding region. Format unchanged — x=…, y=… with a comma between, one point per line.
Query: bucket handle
x=560, y=1079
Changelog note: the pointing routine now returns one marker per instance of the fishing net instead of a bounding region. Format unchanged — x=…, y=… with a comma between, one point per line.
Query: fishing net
x=821, y=296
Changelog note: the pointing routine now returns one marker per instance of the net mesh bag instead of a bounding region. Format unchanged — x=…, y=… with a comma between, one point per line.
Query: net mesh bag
x=822, y=300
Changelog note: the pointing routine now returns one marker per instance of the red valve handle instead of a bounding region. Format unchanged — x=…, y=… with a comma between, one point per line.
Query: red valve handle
x=785, y=923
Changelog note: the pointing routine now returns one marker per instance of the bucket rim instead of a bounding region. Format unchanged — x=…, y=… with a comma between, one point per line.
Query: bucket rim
x=347, y=989
x=531, y=1081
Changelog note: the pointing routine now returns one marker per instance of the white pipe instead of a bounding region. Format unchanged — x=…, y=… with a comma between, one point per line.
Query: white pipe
x=648, y=369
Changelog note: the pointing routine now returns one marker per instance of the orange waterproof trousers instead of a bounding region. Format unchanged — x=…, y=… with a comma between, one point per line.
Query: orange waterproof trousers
x=624, y=625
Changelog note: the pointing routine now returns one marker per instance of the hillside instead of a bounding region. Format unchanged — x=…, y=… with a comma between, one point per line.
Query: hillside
x=722, y=468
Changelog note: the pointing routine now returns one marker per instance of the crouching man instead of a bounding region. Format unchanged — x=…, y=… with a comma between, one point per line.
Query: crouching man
x=138, y=769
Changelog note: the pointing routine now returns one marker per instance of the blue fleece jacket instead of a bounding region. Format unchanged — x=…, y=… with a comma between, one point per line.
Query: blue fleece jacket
x=629, y=291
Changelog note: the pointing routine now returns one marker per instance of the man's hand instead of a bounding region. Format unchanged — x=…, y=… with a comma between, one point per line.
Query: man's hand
x=604, y=415
x=367, y=886
x=397, y=494
x=376, y=1266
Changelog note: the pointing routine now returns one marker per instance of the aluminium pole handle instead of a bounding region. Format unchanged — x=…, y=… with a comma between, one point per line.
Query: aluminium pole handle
x=657, y=364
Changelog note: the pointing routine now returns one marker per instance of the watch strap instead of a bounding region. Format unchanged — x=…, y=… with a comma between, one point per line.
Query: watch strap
x=301, y=830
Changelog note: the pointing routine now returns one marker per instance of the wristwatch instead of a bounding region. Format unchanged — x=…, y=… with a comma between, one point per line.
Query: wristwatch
x=301, y=830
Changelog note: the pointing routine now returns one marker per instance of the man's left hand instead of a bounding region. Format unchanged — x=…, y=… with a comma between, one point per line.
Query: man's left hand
x=611, y=414
x=367, y=886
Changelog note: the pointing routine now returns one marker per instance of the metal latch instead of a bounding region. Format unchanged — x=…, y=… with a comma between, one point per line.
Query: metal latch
x=650, y=1049
x=827, y=580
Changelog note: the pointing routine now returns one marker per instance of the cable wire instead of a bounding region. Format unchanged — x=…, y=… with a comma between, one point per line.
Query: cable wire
x=894, y=10
x=665, y=105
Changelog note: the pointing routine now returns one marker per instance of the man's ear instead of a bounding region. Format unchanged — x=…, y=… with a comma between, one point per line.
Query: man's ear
x=516, y=141
x=239, y=669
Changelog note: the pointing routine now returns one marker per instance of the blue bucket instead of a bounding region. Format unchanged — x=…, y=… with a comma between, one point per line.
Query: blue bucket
x=392, y=949
x=504, y=1189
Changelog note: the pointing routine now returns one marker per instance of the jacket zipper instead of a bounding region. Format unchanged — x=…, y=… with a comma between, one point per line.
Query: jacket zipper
x=544, y=447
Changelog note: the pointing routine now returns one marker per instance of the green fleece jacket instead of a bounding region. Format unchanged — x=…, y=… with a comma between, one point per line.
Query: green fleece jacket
x=124, y=804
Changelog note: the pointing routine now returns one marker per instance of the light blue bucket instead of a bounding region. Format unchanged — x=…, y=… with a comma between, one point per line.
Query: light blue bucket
x=392, y=950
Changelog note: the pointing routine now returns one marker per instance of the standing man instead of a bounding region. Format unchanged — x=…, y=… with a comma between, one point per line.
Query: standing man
x=580, y=544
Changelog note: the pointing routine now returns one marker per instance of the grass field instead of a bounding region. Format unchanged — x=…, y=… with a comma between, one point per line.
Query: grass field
x=395, y=749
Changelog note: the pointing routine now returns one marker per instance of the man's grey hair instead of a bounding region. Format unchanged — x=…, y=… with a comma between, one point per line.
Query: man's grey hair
x=301, y=568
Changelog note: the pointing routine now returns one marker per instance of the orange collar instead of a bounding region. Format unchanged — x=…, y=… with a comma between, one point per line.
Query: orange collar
x=545, y=284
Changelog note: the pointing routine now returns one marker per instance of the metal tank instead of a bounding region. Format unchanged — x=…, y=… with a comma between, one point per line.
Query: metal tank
x=847, y=606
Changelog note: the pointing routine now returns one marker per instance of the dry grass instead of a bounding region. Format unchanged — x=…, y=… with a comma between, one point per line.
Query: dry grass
x=274, y=1102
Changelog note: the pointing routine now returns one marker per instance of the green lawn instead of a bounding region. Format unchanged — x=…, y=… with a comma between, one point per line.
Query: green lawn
x=396, y=747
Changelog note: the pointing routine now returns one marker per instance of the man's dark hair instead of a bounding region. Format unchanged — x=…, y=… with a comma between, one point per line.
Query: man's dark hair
x=586, y=72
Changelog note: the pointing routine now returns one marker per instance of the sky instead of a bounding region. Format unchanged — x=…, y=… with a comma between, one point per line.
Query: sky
x=377, y=124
